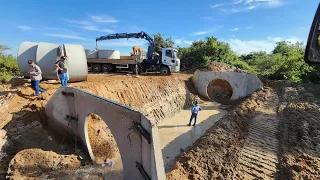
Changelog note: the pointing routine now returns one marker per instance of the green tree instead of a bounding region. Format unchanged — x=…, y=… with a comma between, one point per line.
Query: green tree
x=160, y=42
x=202, y=52
x=8, y=65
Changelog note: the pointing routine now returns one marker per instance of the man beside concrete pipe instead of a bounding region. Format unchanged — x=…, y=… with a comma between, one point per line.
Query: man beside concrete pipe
x=62, y=71
x=35, y=76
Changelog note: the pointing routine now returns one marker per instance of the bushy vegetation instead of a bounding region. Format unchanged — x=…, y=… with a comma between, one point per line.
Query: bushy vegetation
x=285, y=62
x=201, y=53
x=8, y=65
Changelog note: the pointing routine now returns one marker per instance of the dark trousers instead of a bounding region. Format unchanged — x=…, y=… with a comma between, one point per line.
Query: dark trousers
x=35, y=84
x=193, y=115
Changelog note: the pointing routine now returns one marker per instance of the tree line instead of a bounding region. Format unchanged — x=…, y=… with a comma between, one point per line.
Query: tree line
x=285, y=62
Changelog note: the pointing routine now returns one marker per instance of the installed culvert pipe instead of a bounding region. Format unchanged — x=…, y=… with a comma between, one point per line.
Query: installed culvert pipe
x=47, y=55
x=27, y=51
x=76, y=62
x=109, y=54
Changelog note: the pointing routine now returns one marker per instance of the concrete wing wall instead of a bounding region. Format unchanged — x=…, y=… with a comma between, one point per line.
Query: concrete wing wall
x=132, y=145
x=243, y=84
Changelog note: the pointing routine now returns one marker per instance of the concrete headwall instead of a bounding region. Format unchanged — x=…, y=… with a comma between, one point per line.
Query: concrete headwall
x=133, y=147
x=243, y=84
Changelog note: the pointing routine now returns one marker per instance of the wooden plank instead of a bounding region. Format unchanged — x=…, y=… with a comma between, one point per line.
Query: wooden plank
x=128, y=57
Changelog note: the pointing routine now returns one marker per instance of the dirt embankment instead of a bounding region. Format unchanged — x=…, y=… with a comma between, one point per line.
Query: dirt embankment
x=300, y=131
x=24, y=127
x=215, y=154
x=157, y=96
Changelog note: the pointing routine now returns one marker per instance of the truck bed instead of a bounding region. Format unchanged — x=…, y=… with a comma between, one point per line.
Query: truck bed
x=111, y=61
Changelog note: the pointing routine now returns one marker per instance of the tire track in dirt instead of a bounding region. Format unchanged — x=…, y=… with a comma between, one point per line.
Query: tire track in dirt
x=258, y=158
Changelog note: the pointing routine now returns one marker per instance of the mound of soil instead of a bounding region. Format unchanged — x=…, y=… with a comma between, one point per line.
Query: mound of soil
x=223, y=67
x=300, y=137
x=220, y=90
x=33, y=163
x=102, y=142
x=215, y=154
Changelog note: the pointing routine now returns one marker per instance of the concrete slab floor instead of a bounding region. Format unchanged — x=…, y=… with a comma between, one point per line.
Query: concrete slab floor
x=176, y=135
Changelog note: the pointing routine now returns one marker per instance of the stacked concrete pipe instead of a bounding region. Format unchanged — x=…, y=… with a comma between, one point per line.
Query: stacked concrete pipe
x=27, y=51
x=47, y=54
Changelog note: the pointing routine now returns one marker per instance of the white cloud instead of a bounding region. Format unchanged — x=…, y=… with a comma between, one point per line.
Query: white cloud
x=182, y=41
x=66, y=36
x=237, y=1
x=95, y=28
x=25, y=27
x=216, y=5
x=237, y=6
x=234, y=29
x=249, y=27
x=247, y=46
x=77, y=22
x=200, y=33
x=56, y=29
x=103, y=19
x=187, y=42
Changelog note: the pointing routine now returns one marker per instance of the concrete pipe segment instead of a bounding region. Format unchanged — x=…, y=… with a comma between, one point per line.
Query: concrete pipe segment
x=243, y=84
x=47, y=55
x=109, y=54
x=76, y=62
x=27, y=51
x=92, y=54
x=139, y=153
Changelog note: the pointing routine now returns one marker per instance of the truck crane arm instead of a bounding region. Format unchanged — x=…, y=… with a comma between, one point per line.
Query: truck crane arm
x=141, y=35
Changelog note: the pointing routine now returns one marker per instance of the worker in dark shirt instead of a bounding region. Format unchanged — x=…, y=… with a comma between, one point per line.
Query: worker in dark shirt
x=62, y=71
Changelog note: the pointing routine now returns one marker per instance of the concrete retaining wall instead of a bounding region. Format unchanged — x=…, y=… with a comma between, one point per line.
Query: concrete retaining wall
x=243, y=84
x=132, y=145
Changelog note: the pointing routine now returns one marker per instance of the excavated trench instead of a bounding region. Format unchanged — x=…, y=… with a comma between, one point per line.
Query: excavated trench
x=158, y=97
x=165, y=99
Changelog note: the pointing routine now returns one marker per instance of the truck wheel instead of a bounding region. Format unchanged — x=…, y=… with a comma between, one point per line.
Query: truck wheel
x=106, y=68
x=164, y=70
x=96, y=68
x=134, y=69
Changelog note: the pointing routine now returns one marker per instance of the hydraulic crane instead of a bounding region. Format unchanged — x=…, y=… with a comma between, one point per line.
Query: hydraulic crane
x=141, y=35
x=166, y=63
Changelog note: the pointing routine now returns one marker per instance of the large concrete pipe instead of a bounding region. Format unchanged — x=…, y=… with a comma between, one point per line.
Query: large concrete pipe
x=140, y=154
x=109, y=54
x=91, y=53
x=76, y=62
x=27, y=51
x=47, y=55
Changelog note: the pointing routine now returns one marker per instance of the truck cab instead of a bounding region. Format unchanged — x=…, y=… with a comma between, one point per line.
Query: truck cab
x=167, y=62
x=170, y=60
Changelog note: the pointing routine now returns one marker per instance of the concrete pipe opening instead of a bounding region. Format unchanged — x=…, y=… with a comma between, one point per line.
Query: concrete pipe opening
x=102, y=146
x=220, y=90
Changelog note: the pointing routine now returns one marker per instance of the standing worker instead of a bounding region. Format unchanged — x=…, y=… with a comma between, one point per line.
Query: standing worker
x=194, y=110
x=35, y=76
x=62, y=71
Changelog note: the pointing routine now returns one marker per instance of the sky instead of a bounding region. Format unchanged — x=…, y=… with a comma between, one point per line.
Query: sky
x=247, y=25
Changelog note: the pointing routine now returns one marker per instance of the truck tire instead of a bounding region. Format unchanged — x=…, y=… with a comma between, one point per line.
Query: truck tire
x=106, y=67
x=164, y=70
x=96, y=68
x=133, y=67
